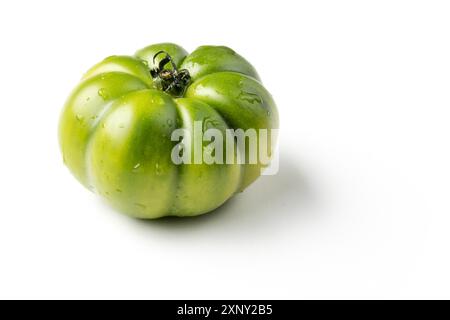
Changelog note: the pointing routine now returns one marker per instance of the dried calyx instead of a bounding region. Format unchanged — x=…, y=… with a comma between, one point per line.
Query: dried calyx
x=172, y=81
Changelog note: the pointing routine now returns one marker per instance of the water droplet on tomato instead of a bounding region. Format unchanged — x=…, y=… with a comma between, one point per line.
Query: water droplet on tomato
x=158, y=169
x=136, y=167
x=249, y=97
x=102, y=92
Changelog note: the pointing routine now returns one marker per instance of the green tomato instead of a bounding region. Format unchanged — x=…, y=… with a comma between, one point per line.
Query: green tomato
x=116, y=126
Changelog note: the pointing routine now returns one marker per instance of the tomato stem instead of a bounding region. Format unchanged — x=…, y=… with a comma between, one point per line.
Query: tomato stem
x=172, y=81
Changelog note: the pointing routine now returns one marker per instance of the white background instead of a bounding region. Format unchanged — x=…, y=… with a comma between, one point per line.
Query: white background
x=359, y=209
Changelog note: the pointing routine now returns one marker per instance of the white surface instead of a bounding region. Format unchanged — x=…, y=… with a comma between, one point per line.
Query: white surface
x=359, y=209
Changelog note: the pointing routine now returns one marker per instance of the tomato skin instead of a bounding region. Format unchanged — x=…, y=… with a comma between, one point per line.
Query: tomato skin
x=115, y=130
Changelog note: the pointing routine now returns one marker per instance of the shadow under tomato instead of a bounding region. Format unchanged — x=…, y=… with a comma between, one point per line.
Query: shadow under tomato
x=272, y=201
